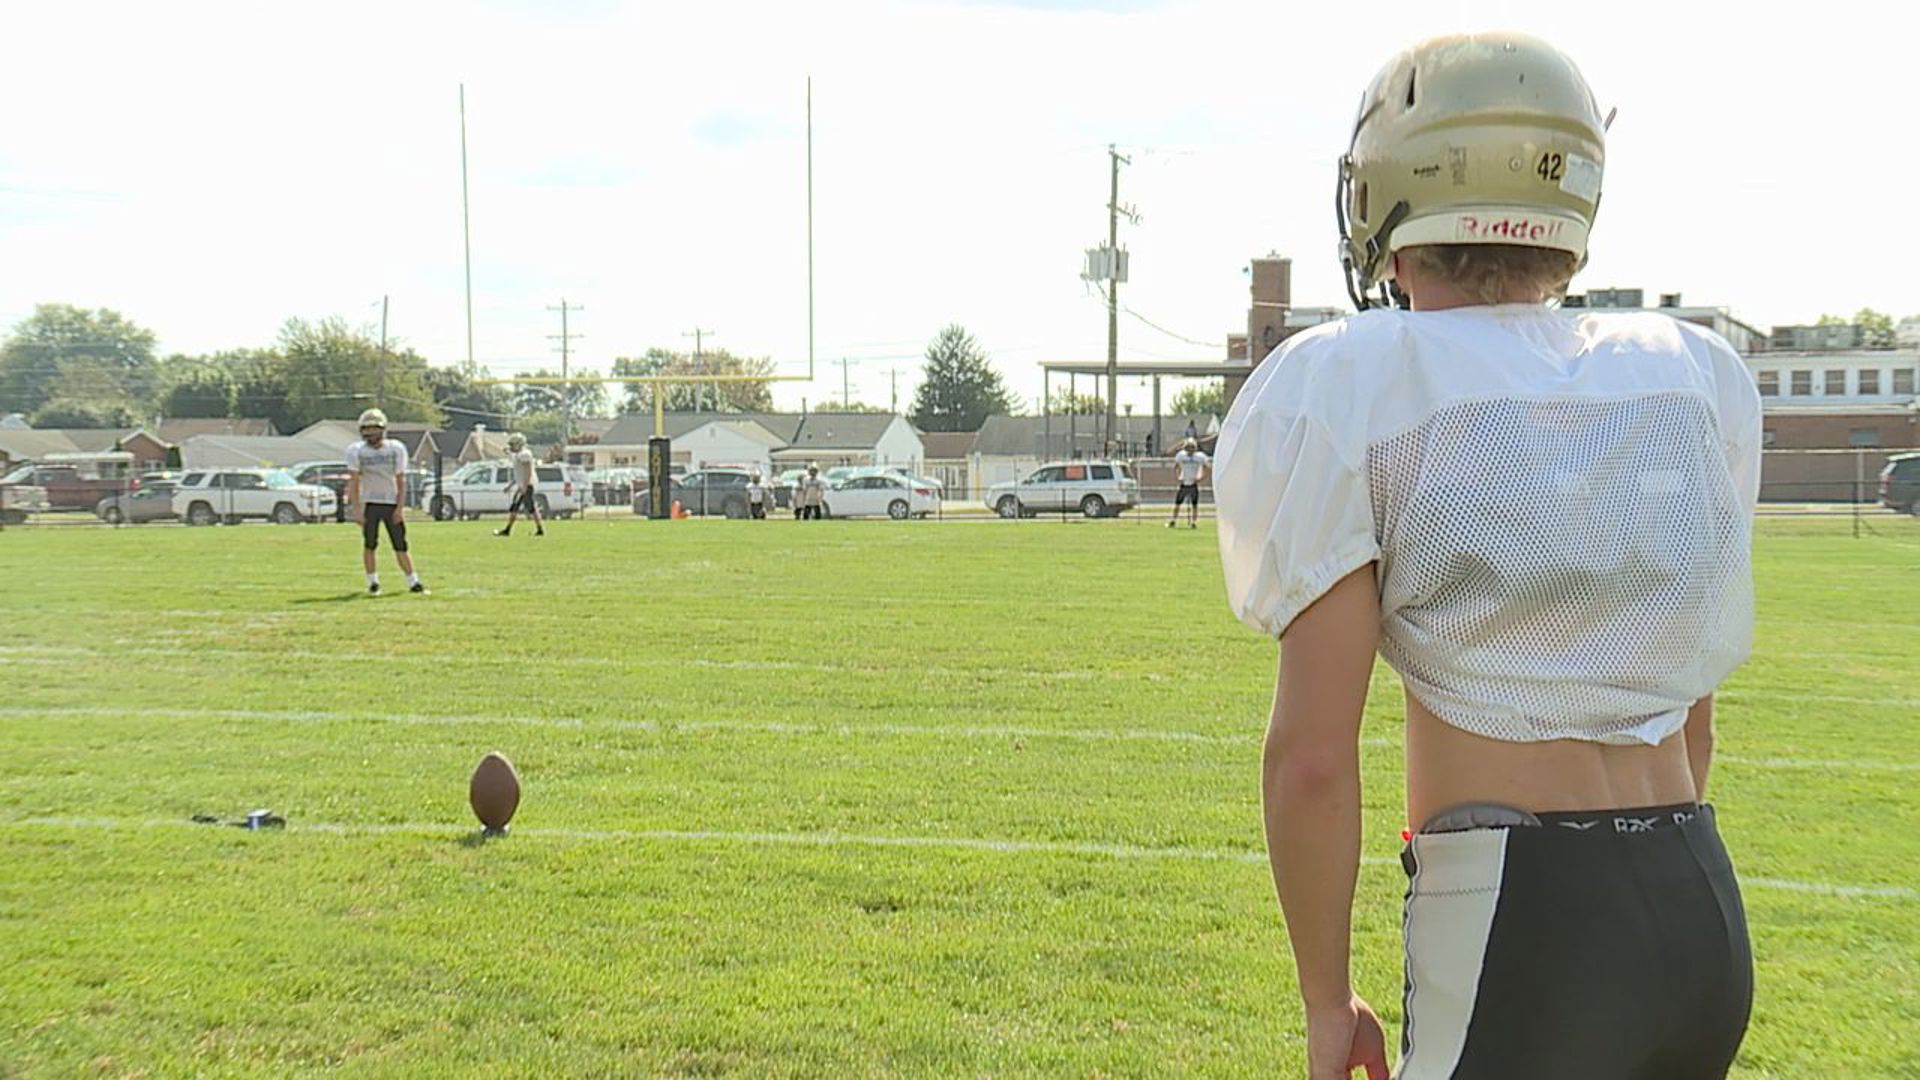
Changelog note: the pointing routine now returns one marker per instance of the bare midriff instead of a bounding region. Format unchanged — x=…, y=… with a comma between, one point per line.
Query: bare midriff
x=1447, y=766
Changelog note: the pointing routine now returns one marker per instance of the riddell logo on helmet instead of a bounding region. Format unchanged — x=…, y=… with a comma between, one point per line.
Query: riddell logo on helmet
x=1524, y=229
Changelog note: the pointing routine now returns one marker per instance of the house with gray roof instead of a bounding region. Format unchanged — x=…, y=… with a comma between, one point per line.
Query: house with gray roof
x=773, y=441
x=255, y=451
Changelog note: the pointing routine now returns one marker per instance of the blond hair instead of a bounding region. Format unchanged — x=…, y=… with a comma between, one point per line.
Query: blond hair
x=1497, y=273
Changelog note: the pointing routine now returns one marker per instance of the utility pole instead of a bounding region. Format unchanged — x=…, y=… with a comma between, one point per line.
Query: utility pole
x=846, y=395
x=466, y=229
x=712, y=388
x=1114, y=211
x=380, y=393
x=893, y=394
x=565, y=337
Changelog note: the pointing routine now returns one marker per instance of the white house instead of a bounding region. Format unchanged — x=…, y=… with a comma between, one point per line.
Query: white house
x=770, y=441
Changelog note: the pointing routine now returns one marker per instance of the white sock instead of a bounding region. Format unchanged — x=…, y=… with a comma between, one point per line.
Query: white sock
x=373, y=579
x=413, y=578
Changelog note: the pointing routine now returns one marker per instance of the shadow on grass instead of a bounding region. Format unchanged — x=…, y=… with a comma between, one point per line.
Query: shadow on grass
x=479, y=838
x=342, y=598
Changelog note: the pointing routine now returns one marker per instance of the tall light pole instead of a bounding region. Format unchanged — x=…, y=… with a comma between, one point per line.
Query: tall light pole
x=697, y=335
x=565, y=338
x=466, y=228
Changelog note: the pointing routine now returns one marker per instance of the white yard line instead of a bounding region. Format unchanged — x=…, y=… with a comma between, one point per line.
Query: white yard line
x=774, y=727
x=934, y=843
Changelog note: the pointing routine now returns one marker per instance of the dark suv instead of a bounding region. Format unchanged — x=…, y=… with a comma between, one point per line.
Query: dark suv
x=705, y=491
x=1900, y=484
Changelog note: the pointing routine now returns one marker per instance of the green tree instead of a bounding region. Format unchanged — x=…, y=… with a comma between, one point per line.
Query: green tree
x=333, y=371
x=1208, y=400
x=467, y=403
x=195, y=387
x=259, y=386
x=1877, y=326
x=80, y=413
x=959, y=387
x=1064, y=402
x=65, y=352
x=752, y=395
x=89, y=391
x=587, y=399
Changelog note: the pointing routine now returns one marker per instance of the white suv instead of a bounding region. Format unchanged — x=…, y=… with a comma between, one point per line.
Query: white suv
x=484, y=488
x=1091, y=488
x=207, y=496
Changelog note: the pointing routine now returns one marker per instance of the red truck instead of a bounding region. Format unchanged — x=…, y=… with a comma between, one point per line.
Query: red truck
x=76, y=481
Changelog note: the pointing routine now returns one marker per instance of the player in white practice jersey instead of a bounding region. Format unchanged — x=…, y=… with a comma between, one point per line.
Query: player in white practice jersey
x=1189, y=467
x=377, y=491
x=1541, y=518
x=520, y=486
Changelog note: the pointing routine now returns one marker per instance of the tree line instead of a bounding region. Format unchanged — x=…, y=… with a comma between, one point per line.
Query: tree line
x=70, y=367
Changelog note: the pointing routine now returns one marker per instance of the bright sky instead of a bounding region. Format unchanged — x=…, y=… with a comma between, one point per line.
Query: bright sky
x=210, y=169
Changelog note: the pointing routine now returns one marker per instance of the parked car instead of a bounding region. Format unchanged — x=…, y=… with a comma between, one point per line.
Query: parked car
x=19, y=496
x=703, y=492
x=882, y=493
x=151, y=501
x=331, y=475
x=1900, y=484
x=482, y=488
x=232, y=495
x=1091, y=488
x=904, y=473
x=614, y=486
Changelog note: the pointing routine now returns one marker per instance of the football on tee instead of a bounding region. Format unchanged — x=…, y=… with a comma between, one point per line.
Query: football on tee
x=494, y=792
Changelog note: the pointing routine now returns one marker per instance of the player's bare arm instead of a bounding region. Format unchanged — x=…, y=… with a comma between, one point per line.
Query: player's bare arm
x=1310, y=786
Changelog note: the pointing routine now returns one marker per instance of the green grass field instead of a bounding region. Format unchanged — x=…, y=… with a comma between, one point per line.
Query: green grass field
x=844, y=799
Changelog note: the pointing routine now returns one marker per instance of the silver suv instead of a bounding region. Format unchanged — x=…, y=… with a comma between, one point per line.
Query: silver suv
x=1090, y=488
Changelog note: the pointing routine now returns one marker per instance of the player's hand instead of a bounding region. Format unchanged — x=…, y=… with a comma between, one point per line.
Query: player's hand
x=1345, y=1038
x=399, y=515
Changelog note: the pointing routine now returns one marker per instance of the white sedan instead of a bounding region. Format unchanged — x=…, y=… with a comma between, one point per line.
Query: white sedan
x=878, y=494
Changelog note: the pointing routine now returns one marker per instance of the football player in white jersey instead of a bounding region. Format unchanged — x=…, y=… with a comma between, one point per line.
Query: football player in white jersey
x=377, y=491
x=520, y=486
x=1190, y=467
x=1542, y=519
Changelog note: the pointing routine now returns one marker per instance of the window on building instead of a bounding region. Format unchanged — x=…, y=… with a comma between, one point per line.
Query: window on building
x=1903, y=381
x=1769, y=383
x=1836, y=382
x=1863, y=436
x=1802, y=384
x=1869, y=380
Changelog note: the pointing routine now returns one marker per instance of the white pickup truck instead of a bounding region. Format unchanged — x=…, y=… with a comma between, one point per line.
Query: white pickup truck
x=210, y=496
x=483, y=488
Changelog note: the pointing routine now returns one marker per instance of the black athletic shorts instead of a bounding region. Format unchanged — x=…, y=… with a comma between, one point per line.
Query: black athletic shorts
x=396, y=530
x=523, y=502
x=1609, y=945
x=1187, y=493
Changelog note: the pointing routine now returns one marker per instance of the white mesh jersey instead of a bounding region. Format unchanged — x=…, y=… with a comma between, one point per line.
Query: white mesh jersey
x=1560, y=504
